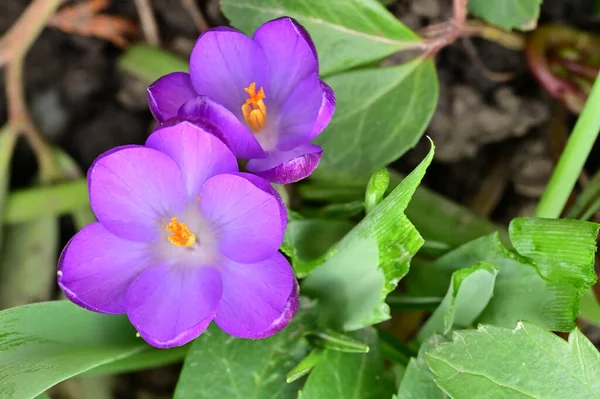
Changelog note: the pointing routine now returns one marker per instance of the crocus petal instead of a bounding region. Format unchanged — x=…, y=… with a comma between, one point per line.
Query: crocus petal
x=259, y=299
x=230, y=130
x=170, y=305
x=168, y=93
x=198, y=154
x=223, y=63
x=290, y=53
x=96, y=268
x=245, y=218
x=298, y=113
x=325, y=112
x=285, y=167
x=132, y=187
x=264, y=185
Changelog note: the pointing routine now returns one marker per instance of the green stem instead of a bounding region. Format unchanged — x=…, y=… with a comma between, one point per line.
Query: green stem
x=573, y=158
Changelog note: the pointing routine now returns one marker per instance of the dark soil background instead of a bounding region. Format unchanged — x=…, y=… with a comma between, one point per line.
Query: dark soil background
x=495, y=137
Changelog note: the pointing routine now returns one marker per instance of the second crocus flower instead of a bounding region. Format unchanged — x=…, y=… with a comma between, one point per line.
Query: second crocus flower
x=261, y=95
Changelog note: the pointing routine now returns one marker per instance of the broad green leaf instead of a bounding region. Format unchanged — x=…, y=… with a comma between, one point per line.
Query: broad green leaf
x=308, y=240
x=221, y=366
x=417, y=382
x=543, y=283
x=376, y=188
x=45, y=343
x=28, y=262
x=7, y=144
x=527, y=362
x=469, y=293
x=508, y=14
x=380, y=114
x=147, y=359
x=347, y=33
x=366, y=265
x=350, y=375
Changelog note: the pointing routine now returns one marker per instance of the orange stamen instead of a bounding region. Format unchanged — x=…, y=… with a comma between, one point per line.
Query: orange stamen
x=254, y=109
x=182, y=236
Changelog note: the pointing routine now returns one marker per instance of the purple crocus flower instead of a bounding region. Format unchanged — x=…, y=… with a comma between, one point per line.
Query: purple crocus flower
x=262, y=95
x=182, y=238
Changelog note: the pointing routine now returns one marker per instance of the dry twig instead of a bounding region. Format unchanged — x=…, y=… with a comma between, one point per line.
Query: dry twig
x=149, y=26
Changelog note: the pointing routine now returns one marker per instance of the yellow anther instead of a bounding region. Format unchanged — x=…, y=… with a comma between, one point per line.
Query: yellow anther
x=182, y=236
x=254, y=109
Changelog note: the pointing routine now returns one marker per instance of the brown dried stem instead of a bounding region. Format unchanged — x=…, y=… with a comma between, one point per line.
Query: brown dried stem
x=149, y=26
x=13, y=47
x=196, y=14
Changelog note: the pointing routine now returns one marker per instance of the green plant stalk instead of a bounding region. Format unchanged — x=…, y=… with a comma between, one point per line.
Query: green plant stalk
x=573, y=158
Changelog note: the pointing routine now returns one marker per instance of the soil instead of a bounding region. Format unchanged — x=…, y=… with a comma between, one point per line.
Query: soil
x=483, y=128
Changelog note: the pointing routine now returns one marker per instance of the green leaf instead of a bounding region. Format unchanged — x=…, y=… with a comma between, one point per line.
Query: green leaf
x=330, y=339
x=362, y=137
x=221, y=366
x=28, y=262
x=308, y=240
x=469, y=293
x=543, y=283
x=350, y=375
x=590, y=309
x=508, y=14
x=366, y=265
x=45, y=343
x=147, y=359
x=527, y=362
x=376, y=188
x=305, y=365
x=7, y=144
x=346, y=33
x=150, y=63
x=69, y=168
x=32, y=203
x=417, y=382
x=436, y=217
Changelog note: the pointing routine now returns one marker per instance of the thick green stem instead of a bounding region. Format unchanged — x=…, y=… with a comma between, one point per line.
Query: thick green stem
x=573, y=158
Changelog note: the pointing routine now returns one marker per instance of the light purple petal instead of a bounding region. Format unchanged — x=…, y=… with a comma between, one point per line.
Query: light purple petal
x=259, y=299
x=199, y=154
x=245, y=218
x=223, y=63
x=170, y=305
x=325, y=112
x=168, y=93
x=285, y=167
x=264, y=185
x=131, y=188
x=96, y=268
x=298, y=113
x=232, y=132
x=290, y=53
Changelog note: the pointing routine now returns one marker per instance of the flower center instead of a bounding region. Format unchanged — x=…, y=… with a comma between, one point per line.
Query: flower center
x=182, y=236
x=254, y=109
